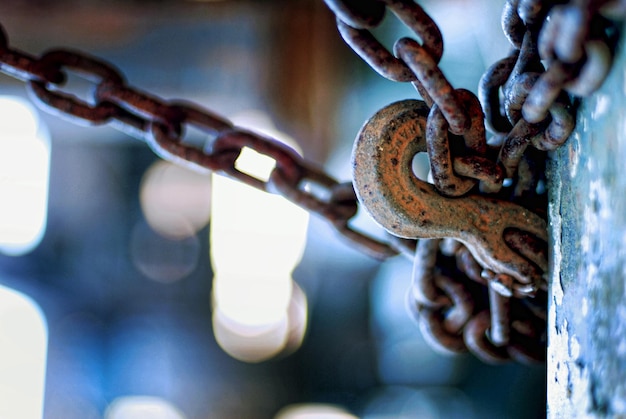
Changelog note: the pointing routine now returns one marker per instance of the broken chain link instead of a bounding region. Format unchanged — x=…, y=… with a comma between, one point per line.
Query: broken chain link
x=460, y=304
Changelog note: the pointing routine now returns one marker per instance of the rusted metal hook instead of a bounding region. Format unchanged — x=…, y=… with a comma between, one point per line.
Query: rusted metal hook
x=409, y=207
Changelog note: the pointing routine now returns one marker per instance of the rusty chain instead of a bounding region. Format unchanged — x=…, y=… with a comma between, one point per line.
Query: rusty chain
x=161, y=124
x=460, y=305
x=560, y=50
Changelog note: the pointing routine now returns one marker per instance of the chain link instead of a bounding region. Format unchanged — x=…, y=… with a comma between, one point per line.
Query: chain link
x=161, y=124
x=525, y=106
x=528, y=110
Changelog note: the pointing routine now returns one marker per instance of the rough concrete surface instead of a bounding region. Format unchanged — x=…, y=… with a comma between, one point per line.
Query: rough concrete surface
x=587, y=307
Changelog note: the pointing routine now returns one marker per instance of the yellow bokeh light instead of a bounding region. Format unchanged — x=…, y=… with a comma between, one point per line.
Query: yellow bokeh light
x=257, y=239
x=176, y=201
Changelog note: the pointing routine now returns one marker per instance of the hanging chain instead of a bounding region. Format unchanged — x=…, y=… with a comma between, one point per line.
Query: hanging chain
x=460, y=305
x=528, y=110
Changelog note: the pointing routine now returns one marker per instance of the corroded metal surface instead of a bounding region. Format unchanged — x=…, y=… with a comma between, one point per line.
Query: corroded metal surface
x=526, y=102
x=587, y=305
x=409, y=207
x=501, y=236
x=162, y=125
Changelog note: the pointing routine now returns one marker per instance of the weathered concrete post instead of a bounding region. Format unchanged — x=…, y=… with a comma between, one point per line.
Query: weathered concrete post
x=587, y=306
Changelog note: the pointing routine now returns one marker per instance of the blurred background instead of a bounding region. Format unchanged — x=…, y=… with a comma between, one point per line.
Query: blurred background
x=131, y=288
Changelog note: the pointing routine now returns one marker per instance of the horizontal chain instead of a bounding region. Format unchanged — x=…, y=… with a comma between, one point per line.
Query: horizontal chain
x=162, y=124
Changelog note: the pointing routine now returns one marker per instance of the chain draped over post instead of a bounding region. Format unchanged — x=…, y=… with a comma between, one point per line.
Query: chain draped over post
x=460, y=305
x=528, y=110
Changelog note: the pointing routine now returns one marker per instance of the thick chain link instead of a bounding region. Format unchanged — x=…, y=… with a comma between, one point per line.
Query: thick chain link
x=161, y=124
x=527, y=108
x=460, y=306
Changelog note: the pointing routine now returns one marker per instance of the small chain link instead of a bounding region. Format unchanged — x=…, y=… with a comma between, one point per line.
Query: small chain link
x=161, y=124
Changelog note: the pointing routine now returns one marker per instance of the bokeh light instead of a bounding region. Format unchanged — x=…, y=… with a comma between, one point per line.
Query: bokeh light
x=257, y=239
x=24, y=176
x=175, y=200
x=142, y=407
x=23, y=351
x=163, y=259
x=314, y=411
x=255, y=343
